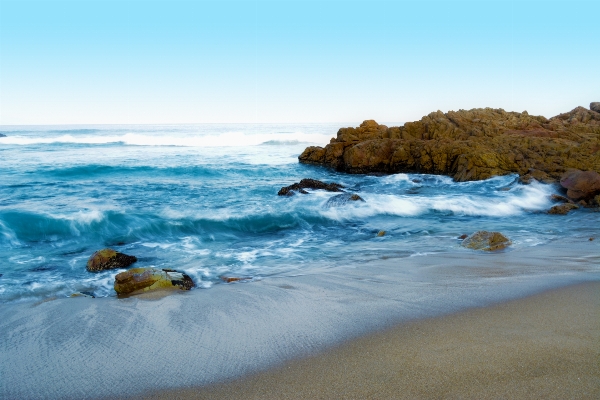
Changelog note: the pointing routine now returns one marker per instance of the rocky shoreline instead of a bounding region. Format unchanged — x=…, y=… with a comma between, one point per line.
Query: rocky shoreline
x=469, y=145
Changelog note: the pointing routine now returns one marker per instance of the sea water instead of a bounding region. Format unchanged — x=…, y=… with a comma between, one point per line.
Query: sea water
x=203, y=199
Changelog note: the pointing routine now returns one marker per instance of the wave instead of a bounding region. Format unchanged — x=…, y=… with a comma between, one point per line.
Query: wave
x=228, y=139
x=481, y=202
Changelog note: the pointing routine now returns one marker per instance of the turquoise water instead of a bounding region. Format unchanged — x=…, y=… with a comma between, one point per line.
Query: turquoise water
x=203, y=199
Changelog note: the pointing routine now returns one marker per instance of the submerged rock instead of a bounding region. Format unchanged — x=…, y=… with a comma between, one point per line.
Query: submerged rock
x=342, y=199
x=581, y=185
x=139, y=280
x=563, y=209
x=309, y=184
x=1, y=135
x=381, y=234
x=109, y=259
x=484, y=240
x=83, y=294
x=229, y=279
x=469, y=145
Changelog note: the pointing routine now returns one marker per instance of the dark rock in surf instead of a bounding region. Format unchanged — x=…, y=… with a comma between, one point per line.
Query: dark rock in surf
x=581, y=185
x=487, y=241
x=342, y=199
x=1, y=135
x=309, y=184
x=140, y=280
x=109, y=259
x=563, y=209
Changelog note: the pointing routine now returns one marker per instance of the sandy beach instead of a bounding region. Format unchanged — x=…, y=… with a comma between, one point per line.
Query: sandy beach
x=542, y=347
x=437, y=326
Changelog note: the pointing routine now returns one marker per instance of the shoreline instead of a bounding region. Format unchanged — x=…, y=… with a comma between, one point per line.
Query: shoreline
x=115, y=348
x=543, y=346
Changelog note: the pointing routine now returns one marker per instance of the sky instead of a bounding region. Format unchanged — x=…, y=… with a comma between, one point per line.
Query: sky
x=153, y=62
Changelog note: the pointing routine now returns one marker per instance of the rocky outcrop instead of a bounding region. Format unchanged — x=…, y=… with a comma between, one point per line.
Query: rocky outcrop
x=469, y=145
x=109, y=259
x=563, y=209
x=595, y=106
x=342, y=199
x=487, y=241
x=581, y=185
x=309, y=184
x=140, y=280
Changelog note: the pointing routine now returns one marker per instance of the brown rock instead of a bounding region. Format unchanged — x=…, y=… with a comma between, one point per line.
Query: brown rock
x=463, y=236
x=139, y=280
x=563, y=209
x=108, y=259
x=469, y=145
x=581, y=185
x=381, y=234
x=487, y=241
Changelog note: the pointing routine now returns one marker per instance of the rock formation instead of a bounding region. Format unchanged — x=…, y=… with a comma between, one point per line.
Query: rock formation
x=109, y=259
x=309, y=184
x=1, y=135
x=487, y=241
x=139, y=280
x=469, y=145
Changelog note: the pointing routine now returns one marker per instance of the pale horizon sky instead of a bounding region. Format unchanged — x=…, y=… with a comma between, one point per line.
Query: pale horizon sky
x=173, y=62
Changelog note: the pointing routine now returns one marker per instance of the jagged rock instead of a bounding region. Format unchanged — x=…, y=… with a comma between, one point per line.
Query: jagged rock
x=484, y=240
x=595, y=106
x=139, y=280
x=563, y=209
x=469, y=145
x=109, y=259
x=342, y=199
x=582, y=185
x=309, y=184
x=381, y=234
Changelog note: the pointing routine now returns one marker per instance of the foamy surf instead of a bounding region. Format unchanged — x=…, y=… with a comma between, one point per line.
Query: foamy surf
x=167, y=197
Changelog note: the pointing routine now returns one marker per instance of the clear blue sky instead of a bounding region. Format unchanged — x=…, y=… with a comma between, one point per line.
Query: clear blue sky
x=292, y=61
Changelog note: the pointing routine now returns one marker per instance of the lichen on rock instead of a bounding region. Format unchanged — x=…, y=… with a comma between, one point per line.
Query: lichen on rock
x=108, y=259
x=487, y=241
x=469, y=145
x=139, y=280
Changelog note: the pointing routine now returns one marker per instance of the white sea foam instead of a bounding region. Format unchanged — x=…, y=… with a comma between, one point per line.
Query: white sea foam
x=513, y=202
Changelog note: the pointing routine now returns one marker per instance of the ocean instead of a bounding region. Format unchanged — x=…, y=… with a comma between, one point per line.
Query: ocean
x=203, y=199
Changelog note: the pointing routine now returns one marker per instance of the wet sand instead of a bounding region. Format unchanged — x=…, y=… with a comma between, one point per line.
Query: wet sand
x=546, y=346
x=315, y=333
